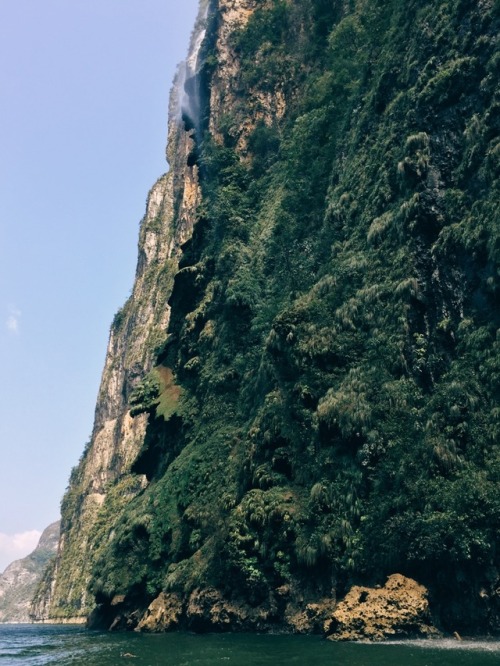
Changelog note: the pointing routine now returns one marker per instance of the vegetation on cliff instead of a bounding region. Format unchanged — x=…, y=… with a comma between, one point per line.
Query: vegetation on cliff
x=324, y=411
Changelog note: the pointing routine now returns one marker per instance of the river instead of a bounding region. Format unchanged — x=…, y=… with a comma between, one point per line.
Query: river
x=35, y=645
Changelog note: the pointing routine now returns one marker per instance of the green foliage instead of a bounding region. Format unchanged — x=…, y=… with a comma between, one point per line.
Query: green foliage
x=333, y=331
x=256, y=541
x=259, y=44
x=156, y=392
x=145, y=394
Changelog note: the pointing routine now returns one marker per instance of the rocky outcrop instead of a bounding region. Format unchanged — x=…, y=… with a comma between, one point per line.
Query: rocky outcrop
x=117, y=437
x=309, y=619
x=163, y=614
x=206, y=610
x=209, y=610
x=19, y=581
x=233, y=108
x=400, y=609
x=233, y=15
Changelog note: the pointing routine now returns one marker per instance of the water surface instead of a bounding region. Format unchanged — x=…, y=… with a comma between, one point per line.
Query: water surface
x=35, y=645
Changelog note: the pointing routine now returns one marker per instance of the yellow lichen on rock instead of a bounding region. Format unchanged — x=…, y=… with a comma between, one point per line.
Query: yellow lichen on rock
x=399, y=609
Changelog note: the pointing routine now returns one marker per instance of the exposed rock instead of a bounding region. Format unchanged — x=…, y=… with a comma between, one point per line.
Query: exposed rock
x=20, y=579
x=399, y=609
x=137, y=331
x=233, y=16
x=163, y=614
x=225, y=96
x=311, y=619
x=209, y=610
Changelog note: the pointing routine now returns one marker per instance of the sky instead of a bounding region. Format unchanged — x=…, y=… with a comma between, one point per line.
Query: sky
x=84, y=88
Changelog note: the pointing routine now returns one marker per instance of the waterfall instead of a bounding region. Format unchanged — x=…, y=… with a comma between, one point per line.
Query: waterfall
x=188, y=83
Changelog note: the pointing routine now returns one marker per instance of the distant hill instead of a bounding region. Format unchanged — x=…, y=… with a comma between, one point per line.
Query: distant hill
x=20, y=579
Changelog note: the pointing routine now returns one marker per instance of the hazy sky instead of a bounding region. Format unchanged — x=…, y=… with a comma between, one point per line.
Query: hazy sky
x=83, y=111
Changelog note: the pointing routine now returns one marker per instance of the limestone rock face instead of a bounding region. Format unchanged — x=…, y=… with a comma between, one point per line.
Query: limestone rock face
x=136, y=333
x=103, y=483
x=163, y=614
x=399, y=609
x=233, y=14
x=311, y=618
x=20, y=579
x=206, y=609
x=225, y=96
x=116, y=437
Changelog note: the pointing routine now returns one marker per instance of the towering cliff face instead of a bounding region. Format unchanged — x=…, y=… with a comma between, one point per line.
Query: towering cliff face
x=302, y=392
x=101, y=484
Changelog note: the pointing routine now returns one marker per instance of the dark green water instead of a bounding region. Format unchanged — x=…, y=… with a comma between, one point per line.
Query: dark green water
x=28, y=645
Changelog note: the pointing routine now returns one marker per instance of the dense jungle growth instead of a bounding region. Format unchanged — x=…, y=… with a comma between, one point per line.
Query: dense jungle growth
x=324, y=410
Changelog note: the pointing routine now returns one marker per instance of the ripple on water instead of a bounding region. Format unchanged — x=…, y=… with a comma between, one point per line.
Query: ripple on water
x=479, y=645
x=63, y=646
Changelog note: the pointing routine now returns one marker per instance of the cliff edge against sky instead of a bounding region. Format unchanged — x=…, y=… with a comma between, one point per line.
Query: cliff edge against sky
x=302, y=392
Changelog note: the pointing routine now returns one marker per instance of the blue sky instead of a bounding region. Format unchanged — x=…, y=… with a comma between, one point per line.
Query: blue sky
x=83, y=114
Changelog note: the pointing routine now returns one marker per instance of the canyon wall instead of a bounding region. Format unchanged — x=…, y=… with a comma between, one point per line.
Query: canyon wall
x=301, y=394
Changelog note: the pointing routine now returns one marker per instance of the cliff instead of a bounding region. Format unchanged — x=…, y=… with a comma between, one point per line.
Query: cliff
x=301, y=394
x=20, y=580
x=101, y=485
